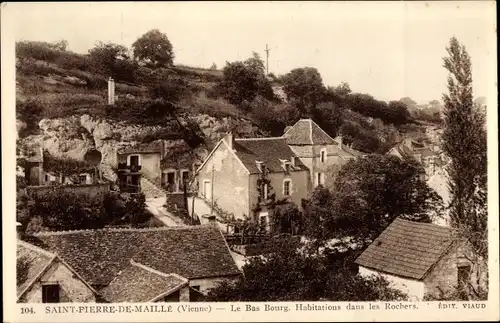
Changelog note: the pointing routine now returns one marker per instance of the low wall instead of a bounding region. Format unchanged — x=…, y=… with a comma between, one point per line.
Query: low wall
x=91, y=191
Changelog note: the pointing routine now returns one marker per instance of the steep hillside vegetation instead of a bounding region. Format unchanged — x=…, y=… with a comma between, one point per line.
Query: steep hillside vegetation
x=62, y=101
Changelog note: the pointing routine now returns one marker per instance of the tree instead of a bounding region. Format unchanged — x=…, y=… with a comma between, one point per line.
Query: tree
x=291, y=274
x=305, y=87
x=369, y=193
x=464, y=142
x=112, y=59
x=154, y=47
x=242, y=82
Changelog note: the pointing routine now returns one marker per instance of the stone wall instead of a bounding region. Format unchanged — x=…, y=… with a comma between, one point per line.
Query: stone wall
x=91, y=191
x=443, y=277
x=230, y=182
x=72, y=289
x=414, y=288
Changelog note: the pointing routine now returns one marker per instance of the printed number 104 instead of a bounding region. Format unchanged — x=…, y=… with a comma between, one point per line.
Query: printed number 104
x=27, y=310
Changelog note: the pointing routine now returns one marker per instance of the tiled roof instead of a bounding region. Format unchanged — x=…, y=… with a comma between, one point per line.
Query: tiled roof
x=33, y=262
x=192, y=252
x=152, y=147
x=307, y=132
x=267, y=150
x=407, y=249
x=100, y=255
x=137, y=284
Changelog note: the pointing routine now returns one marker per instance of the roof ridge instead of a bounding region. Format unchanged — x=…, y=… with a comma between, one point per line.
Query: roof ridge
x=425, y=224
x=157, y=272
x=180, y=227
x=36, y=248
x=261, y=138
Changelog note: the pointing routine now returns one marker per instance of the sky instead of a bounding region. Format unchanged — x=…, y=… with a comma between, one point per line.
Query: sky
x=387, y=49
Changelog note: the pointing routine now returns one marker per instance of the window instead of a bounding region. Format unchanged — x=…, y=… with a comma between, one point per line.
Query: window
x=263, y=221
x=185, y=176
x=286, y=187
x=320, y=179
x=50, y=293
x=322, y=155
x=134, y=160
x=82, y=179
x=463, y=276
x=264, y=191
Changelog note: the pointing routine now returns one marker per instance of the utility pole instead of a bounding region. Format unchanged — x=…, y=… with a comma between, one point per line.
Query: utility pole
x=267, y=59
x=212, y=191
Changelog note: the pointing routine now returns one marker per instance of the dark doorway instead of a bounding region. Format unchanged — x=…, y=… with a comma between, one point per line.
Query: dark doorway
x=50, y=293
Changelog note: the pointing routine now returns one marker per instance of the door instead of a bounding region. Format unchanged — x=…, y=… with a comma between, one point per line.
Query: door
x=207, y=190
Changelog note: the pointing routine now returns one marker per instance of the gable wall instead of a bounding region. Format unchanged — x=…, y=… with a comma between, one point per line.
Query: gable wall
x=230, y=181
x=414, y=288
x=72, y=289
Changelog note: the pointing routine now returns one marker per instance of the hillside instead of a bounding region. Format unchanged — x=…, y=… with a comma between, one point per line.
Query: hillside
x=61, y=101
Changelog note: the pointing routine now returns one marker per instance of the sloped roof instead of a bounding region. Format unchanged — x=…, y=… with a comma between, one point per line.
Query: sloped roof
x=33, y=262
x=407, y=249
x=138, y=284
x=267, y=150
x=100, y=255
x=307, y=132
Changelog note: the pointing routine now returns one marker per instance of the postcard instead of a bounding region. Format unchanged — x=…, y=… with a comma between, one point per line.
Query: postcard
x=249, y=161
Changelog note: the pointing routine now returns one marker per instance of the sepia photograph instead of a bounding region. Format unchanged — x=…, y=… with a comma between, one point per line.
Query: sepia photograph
x=250, y=157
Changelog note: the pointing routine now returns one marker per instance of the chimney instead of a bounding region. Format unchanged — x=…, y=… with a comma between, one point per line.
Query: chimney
x=111, y=91
x=340, y=140
x=19, y=230
x=407, y=143
x=292, y=161
x=212, y=219
x=229, y=138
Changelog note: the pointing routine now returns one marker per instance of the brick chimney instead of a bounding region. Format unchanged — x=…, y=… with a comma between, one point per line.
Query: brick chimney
x=111, y=91
x=229, y=138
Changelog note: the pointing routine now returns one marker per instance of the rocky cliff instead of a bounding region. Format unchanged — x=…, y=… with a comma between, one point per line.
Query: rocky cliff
x=73, y=136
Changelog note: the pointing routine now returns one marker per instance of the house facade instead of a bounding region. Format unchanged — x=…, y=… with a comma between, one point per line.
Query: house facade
x=137, y=161
x=427, y=157
x=43, y=277
x=167, y=264
x=420, y=259
x=317, y=150
x=245, y=176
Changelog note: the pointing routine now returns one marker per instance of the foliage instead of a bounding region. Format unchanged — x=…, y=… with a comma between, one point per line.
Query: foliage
x=464, y=141
x=369, y=193
x=65, y=166
x=113, y=60
x=60, y=210
x=304, y=87
x=243, y=81
x=170, y=88
x=395, y=112
x=29, y=112
x=148, y=112
x=154, y=47
x=293, y=275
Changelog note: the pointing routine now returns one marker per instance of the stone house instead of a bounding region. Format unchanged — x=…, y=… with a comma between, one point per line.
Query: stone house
x=420, y=259
x=43, y=277
x=243, y=176
x=429, y=158
x=167, y=264
x=136, y=161
x=317, y=150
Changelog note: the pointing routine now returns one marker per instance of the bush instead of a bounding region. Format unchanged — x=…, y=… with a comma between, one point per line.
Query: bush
x=29, y=112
